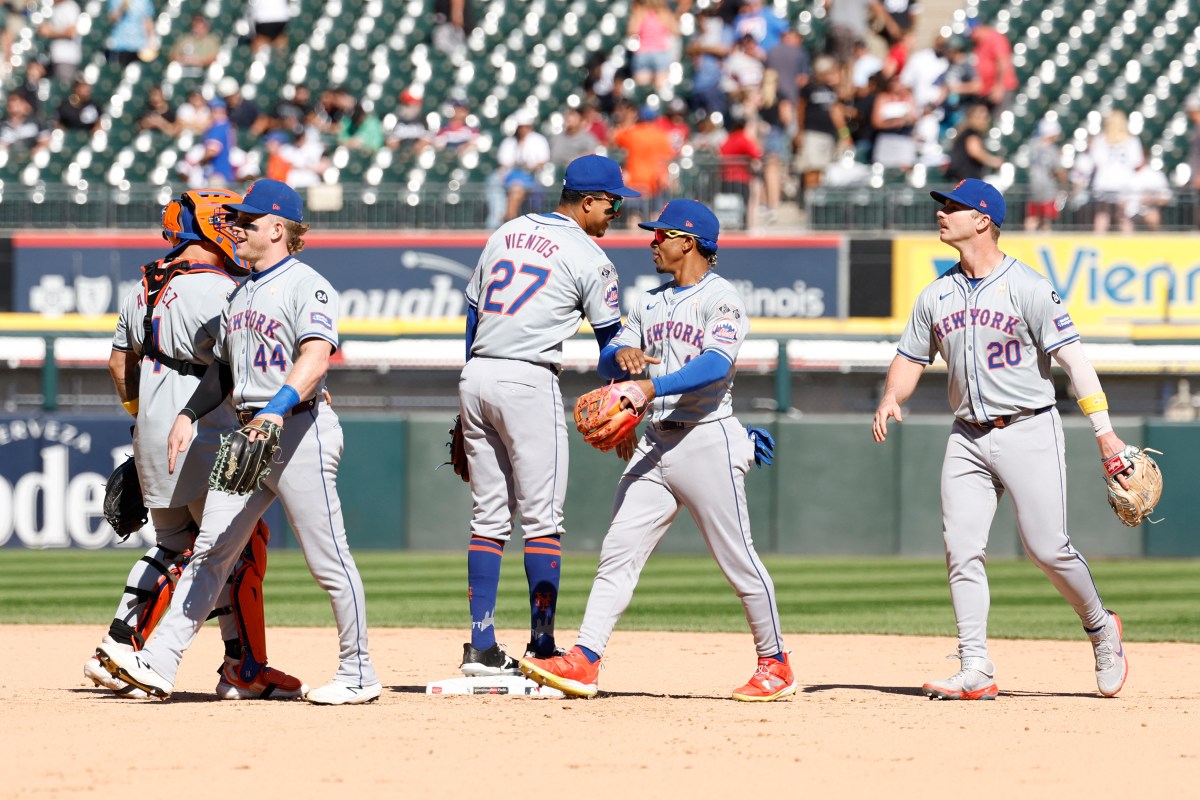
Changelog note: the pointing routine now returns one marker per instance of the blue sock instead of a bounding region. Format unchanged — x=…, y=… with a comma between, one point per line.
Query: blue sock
x=483, y=582
x=543, y=568
x=778, y=656
x=591, y=654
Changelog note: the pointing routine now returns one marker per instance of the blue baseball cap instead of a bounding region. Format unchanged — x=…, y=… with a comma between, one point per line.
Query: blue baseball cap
x=972, y=193
x=596, y=174
x=690, y=217
x=268, y=196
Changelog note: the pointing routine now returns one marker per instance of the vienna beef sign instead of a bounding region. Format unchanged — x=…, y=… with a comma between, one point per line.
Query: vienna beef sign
x=52, y=475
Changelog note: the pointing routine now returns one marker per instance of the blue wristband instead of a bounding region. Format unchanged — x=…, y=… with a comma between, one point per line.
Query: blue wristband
x=281, y=403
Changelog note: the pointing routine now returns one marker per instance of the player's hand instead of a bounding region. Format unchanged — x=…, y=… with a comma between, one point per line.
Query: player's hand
x=255, y=435
x=178, y=440
x=634, y=361
x=888, y=408
x=1111, y=444
x=627, y=446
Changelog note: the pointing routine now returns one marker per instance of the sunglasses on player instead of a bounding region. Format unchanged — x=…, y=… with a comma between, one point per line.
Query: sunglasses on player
x=614, y=204
x=662, y=234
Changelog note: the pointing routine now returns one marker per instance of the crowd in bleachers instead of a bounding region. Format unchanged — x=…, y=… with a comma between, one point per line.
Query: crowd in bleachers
x=769, y=108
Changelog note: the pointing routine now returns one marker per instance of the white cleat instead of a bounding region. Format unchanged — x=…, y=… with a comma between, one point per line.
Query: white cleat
x=129, y=666
x=976, y=680
x=342, y=694
x=1111, y=665
x=98, y=675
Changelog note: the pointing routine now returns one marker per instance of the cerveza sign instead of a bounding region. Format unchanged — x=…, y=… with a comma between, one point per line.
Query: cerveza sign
x=389, y=277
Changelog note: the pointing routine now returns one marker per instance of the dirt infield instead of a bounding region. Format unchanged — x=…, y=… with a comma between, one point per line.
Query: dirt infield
x=664, y=725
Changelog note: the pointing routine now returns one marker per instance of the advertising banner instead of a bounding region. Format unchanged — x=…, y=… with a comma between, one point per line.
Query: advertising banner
x=1111, y=284
x=389, y=277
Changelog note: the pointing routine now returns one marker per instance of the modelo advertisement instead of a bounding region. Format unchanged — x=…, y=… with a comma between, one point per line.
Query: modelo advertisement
x=1112, y=285
x=395, y=277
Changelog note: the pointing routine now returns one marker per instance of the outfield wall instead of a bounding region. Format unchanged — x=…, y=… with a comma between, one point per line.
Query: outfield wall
x=832, y=491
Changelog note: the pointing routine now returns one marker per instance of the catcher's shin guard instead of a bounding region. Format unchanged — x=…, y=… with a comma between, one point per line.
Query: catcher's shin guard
x=148, y=592
x=245, y=595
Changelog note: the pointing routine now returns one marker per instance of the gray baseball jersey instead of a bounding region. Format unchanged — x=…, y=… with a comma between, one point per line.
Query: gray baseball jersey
x=267, y=318
x=675, y=325
x=536, y=278
x=186, y=323
x=694, y=454
x=995, y=338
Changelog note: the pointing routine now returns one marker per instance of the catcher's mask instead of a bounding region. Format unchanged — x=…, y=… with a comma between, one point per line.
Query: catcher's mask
x=198, y=215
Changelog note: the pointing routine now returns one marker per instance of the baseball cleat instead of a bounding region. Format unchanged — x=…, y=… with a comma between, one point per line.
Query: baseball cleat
x=94, y=671
x=130, y=667
x=976, y=680
x=1111, y=665
x=490, y=662
x=571, y=674
x=772, y=680
x=343, y=694
x=269, y=684
x=531, y=652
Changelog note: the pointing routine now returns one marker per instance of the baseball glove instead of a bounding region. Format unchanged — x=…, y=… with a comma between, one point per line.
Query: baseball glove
x=1136, y=503
x=458, y=450
x=604, y=419
x=124, y=506
x=242, y=464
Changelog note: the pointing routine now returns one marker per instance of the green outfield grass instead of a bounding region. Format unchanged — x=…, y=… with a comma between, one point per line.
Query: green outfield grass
x=1157, y=600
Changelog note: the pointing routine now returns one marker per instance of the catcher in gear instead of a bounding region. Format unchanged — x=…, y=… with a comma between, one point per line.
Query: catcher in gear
x=170, y=321
x=1134, y=484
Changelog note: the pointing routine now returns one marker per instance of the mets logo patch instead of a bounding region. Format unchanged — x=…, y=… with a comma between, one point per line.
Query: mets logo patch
x=1063, y=322
x=612, y=297
x=725, y=332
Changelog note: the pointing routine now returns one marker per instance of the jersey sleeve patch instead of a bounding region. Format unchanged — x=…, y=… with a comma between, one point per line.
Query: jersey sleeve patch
x=725, y=331
x=324, y=320
x=1063, y=322
x=612, y=295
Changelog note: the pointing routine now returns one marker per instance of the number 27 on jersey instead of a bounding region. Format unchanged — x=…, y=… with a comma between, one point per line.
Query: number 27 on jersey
x=532, y=279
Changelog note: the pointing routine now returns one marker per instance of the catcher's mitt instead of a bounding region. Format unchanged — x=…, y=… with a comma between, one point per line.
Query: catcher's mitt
x=242, y=464
x=1136, y=503
x=124, y=506
x=603, y=419
x=458, y=450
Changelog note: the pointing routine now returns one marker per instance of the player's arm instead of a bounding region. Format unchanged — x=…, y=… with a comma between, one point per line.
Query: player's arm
x=125, y=367
x=472, y=327
x=902, y=378
x=706, y=368
x=1092, y=401
x=212, y=390
x=302, y=381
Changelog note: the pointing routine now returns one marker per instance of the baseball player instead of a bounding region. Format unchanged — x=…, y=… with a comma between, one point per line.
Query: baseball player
x=273, y=347
x=169, y=324
x=686, y=335
x=539, y=274
x=996, y=323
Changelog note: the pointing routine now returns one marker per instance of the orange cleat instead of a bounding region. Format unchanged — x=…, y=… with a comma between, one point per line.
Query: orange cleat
x=773, y=680
x=268, y=684
x=571, y=674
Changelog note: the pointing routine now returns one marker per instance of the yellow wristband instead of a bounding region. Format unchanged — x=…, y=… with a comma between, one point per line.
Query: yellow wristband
x=1093, y=403
x=132, y=407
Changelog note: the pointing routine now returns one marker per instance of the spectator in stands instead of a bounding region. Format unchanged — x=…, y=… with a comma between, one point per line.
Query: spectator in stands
x=709, y=135
x=741, y=159
x=457, y=134
x=994, y=64
x=648, y=153
x=792, y=68
x=158, y=114
x=894, y=17
x=863, y=64
x=595, y=121
x=334, y=104
x=959, y=83
x=453, y=20
x=674, y=122
x=707, y=48
x=573, y=141
x=21, y=132
x=219, y=143
x=132, y=30
x=898, y=53
x=1046, y=176
x=859, y=113
x=847, y=24
x=196, y=49
x=410, y=133
x=923, y=70
x=1151, y=191
x=893, y=117
x=743, y=71
x=35, y=88
x=520, y=157
x=657, y=32
x=821, y=121
x=244, y=114
x=276, y=167
x=762, y=24
x=292, y=113
x=194, y=115
x=970, y=158
x=78, y=111
x=1116, y=155
x=305, y=158
x=61, y=28
x=928, y=135
x=270, y=19
x=361, y=131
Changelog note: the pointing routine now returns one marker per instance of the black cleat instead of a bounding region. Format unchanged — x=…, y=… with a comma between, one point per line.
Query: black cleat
x=531, y=651
x=492, y=661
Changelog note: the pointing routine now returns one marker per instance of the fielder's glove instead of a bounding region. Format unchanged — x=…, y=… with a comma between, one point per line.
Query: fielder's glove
x=458, y=450
x=606, y=416
x=1136, y=503
x=242, y=464
x=124, y=506
x=764, y=446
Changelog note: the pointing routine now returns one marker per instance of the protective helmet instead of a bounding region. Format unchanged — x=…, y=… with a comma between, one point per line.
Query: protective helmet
x=197, y=215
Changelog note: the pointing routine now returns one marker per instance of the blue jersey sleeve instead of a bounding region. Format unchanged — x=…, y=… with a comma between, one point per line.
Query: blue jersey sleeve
x=472, y=325
x=708, y=367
